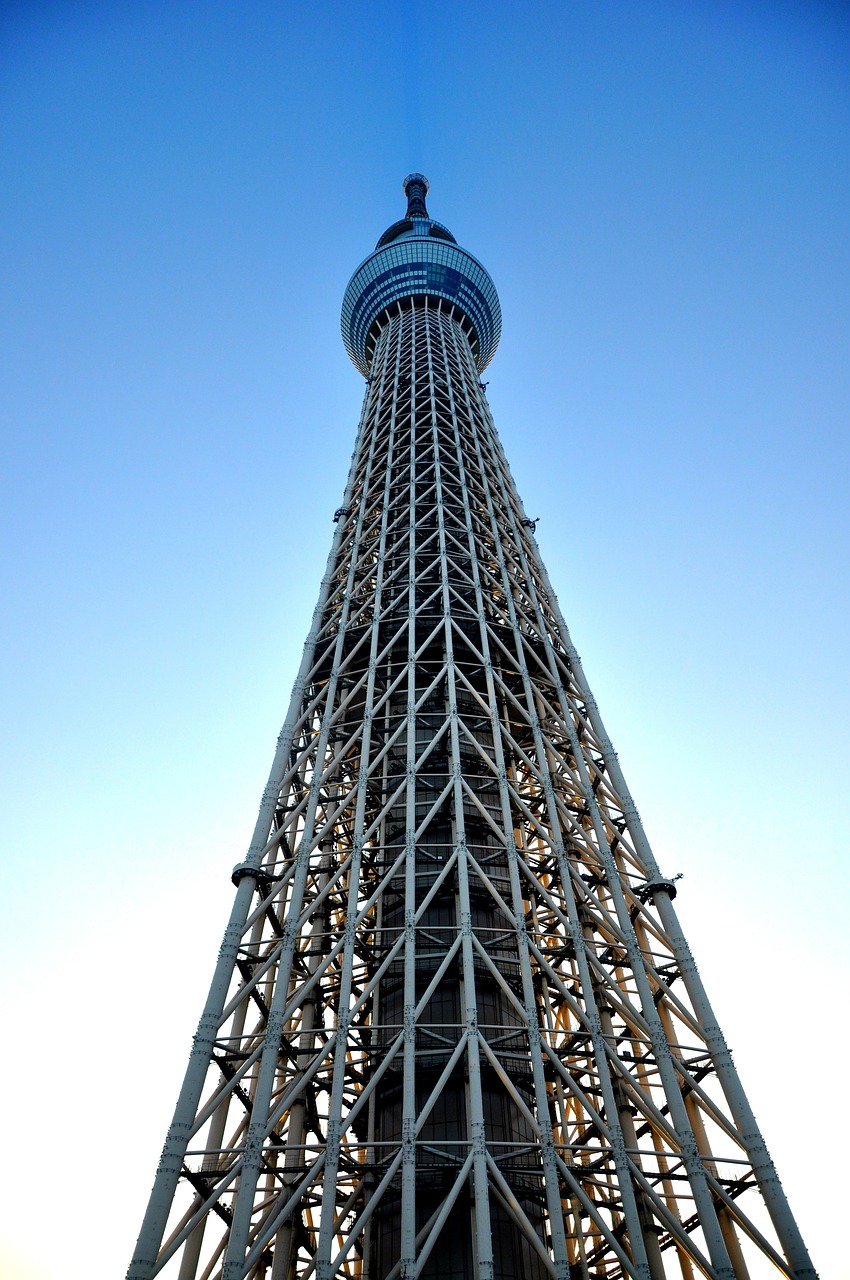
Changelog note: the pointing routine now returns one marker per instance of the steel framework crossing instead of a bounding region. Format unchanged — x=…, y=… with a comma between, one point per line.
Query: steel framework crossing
x=454, y=1028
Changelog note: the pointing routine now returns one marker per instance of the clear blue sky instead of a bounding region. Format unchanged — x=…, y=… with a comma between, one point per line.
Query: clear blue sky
x=660, y=192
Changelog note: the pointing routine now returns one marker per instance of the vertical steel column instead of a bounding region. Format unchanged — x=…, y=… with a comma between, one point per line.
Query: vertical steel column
x=635, y=1234
x=143, y=1264
x=407, y=1254
x=763, y=1167
x=696, y=1174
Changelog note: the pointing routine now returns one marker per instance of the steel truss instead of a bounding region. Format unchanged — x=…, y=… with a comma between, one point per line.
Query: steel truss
x=454, y=1028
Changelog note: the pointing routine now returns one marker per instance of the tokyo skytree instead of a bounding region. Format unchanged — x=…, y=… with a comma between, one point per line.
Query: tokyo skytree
x=454, y=1030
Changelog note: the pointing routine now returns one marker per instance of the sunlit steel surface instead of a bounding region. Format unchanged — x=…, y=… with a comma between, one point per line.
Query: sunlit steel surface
x=454, y=1029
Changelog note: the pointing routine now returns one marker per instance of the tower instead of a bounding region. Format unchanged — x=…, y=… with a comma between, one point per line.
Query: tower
x=454, y=1030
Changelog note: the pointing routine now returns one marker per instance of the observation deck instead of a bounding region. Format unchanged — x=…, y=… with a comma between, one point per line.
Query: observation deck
x=419, y=258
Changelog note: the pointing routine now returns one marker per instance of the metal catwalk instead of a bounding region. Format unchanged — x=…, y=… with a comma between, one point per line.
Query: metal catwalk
x=454, y=1028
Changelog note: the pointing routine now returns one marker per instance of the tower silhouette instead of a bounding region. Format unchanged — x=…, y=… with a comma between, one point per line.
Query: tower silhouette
x=454, y=1029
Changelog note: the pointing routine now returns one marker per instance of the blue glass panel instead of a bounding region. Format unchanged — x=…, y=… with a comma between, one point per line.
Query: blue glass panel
x=416, y=265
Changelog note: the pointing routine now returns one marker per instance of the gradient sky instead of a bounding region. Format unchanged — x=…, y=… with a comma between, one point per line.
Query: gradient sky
x=660, y=191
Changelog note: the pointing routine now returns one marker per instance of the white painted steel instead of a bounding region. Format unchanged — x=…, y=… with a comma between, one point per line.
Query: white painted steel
x=453, y=1029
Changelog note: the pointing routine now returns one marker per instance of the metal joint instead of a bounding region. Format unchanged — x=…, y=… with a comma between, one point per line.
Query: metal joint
x=646, y=891
x=243, y=869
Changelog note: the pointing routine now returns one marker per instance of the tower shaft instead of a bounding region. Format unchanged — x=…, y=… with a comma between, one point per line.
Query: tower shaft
x=454, y=1029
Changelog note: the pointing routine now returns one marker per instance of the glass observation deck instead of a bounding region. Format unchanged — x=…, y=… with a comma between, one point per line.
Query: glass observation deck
x=418, y=257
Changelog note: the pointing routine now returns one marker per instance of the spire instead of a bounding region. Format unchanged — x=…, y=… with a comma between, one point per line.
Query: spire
x=415, y=187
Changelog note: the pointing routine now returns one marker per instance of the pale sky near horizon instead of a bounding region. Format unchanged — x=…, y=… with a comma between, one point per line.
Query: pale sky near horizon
x=661, y=194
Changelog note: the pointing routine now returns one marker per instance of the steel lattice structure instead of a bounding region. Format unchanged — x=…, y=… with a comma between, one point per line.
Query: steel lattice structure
x=454, y=1029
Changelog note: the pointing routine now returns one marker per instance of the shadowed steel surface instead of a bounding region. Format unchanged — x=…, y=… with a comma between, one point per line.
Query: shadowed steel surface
x=454, y=1029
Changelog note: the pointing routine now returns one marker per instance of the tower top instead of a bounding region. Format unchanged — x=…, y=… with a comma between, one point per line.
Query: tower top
x=419, y=258
x=416, y=187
